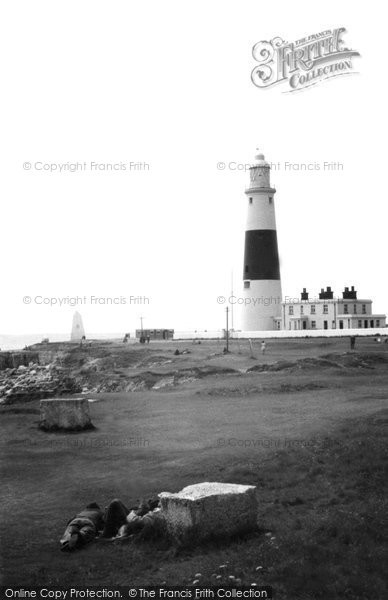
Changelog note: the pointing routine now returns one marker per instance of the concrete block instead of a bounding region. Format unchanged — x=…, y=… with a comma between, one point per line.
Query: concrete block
x=65, y=413
x=209, y=510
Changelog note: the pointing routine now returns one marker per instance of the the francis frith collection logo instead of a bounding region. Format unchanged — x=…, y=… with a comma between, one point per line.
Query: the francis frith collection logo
x=302, y=63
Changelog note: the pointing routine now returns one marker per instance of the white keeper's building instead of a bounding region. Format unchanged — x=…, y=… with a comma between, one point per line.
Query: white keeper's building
x=328, y=312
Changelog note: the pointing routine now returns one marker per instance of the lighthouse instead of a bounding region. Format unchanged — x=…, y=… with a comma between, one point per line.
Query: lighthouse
x=262, y=292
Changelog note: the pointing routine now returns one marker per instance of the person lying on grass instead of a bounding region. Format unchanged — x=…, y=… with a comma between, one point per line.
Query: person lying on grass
x=117, y=521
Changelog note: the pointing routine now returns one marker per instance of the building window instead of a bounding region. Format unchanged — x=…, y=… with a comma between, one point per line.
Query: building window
x=290, y=310
x=325, y=309
x=250, y=200
x=341, y=324
x=377, y=322
x=301, y=310
x=345, y=309
x=312, y=309
x=355, y=308
x=313, y=324
x=289, y=325
x=360, y=324
x=247, y=284
x=364, y=309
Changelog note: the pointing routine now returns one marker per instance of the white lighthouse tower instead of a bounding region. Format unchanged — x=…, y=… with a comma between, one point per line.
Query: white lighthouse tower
x=262, y=290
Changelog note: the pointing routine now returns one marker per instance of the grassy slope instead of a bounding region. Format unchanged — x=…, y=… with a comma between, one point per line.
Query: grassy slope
x=323, y=505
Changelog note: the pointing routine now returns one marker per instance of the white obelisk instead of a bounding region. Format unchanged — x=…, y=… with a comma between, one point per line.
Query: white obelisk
x=77, y=330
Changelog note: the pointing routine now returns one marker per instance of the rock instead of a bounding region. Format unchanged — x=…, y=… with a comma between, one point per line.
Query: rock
x=209, y=510
x=68, y=414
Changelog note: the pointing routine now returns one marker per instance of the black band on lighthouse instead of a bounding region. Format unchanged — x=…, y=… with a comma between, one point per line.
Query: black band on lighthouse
x=261, y=258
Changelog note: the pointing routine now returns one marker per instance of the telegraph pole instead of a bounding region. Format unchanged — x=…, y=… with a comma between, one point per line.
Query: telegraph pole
x=227, y=329
x=141, y=331
x=231, y=310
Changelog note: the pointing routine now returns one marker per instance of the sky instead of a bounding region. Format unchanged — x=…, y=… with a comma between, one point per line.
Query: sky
x=167, y=87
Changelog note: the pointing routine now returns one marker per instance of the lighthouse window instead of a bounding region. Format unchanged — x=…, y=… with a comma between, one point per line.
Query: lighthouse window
x=246, y=269
x=247, y=284
x=270, y=199
x=250, y=200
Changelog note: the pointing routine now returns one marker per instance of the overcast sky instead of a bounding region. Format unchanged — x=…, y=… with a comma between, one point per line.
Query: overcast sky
x=168, y=84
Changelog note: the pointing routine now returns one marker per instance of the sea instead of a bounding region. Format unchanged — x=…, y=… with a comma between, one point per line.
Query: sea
x=19, y=341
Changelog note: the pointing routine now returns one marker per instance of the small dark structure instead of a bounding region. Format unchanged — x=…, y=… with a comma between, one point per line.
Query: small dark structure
x=154, y=334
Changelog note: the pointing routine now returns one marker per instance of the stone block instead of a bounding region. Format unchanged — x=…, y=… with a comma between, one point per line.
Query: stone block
x=70, y=414
x=209, y=510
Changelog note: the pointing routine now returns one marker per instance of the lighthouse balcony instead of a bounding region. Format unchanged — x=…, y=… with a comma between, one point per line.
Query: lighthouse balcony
x=262, y=189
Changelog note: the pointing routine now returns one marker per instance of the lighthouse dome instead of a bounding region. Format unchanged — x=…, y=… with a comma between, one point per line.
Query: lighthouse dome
x=260, y=160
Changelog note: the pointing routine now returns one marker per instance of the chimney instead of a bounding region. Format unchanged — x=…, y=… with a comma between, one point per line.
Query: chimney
x=326, y=295
x=349, y=294
x=304, y=295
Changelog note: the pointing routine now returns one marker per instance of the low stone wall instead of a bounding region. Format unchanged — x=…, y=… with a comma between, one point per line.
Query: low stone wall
x=208, y=510
x=286, y=333
x=13, y=360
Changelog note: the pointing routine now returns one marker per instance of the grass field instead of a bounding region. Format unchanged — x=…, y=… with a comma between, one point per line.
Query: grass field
x=310, y=437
